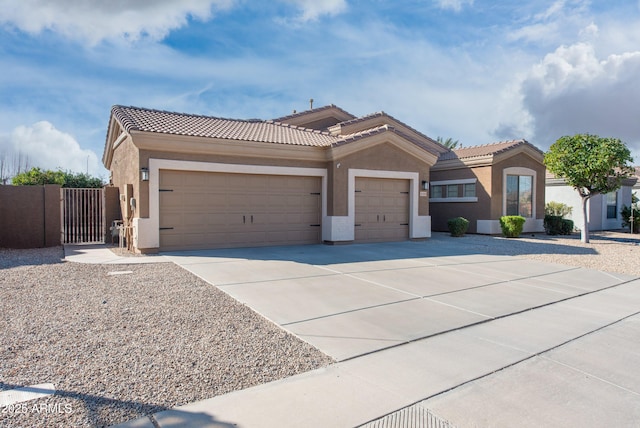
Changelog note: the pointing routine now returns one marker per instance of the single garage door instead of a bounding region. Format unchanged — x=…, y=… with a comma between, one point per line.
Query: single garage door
x=382, y=210
x=222, y=210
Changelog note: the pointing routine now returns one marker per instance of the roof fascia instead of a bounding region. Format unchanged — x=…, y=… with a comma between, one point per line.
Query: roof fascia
x=299, y=119
x=216, y=146
x=115, y=136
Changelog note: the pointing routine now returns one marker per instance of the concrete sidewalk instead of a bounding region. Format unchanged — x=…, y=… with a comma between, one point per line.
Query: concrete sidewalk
x=103, y=254
x=421, y=329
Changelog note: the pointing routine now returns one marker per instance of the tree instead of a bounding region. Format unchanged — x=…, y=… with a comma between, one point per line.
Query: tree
x=81, y=180
x=36, y=176
x=449, y=143
x=590, y=164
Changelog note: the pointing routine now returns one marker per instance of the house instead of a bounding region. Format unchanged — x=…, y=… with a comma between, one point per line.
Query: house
x=483, y=183
x=323, y=175
x=603, y=211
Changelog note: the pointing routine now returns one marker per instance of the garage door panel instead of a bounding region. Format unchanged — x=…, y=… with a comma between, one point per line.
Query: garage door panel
x=382, y=209
x=217, y=210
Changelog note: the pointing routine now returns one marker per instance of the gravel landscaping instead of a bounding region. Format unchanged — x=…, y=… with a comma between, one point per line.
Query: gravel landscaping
x=118, y=346
x=123, y=341
x=608, y=251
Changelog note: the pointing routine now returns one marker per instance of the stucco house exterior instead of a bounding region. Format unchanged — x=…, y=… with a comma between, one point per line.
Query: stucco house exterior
x=323, y=175
x=603, y=211
x=483, y=183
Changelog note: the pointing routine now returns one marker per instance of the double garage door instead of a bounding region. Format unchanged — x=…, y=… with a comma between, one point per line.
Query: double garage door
x=223, y=210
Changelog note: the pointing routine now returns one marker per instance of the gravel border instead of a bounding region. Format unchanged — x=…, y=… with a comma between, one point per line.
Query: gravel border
x=615, y=252
x=118, y=346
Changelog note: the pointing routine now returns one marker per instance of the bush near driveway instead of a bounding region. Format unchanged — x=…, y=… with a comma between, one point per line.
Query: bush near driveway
x=512, y=225
x=458, y=226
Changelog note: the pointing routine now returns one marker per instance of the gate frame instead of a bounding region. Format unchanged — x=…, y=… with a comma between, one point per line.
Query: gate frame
x=84, y=221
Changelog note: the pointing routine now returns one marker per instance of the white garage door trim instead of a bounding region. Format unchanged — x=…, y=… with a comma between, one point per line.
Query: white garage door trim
x=343, y=228
x=147, y=230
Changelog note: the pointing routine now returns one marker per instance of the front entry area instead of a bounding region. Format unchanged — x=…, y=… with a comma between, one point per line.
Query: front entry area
x=223, y=210
x=381, y=209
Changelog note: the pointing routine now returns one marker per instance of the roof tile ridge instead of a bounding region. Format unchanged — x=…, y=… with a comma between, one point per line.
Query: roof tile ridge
x=193, y=115
x=366, y=132
x=362, y=118
x=301, y=128
x=313, y=110
x=380, y=129
x=382, y=113
x=126, y=120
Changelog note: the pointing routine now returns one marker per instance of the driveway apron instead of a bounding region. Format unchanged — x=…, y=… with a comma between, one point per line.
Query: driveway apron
x=352, y=300
x=424, y=327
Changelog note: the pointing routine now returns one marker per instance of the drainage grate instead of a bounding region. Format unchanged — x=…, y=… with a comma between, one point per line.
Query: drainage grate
x=414, y=416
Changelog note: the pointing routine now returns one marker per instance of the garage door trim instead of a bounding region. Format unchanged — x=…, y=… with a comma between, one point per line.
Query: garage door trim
x=147, y=230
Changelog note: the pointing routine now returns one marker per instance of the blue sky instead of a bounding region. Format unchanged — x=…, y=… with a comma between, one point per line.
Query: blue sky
x=473, y=70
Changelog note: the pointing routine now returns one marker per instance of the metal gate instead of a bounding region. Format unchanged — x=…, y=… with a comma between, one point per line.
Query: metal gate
x=83, y=216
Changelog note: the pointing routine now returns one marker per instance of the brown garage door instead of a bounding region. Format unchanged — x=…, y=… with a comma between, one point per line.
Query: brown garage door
x=221, y=210
x=382, y=210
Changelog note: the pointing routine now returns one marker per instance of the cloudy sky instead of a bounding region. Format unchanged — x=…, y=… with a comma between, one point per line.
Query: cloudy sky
x=477, y=71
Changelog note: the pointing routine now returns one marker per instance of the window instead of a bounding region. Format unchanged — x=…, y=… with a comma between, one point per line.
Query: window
x=458, y=190
x=612, y=205
x=469, y=190
x=520, y=195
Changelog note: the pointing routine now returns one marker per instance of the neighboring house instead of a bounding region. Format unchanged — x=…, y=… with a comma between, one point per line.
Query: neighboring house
x=483, y=183
x=323, y=175
x=603, y=211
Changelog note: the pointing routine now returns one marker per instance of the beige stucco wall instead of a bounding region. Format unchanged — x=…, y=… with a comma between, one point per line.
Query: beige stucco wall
x=382, y=157
x=521, y=160
x=125, y=169
x=489, y=191
x=386, y=154
x=441, y=212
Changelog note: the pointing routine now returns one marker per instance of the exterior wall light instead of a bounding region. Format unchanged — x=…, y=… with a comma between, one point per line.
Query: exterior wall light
x=144, y=174
x=425, y=185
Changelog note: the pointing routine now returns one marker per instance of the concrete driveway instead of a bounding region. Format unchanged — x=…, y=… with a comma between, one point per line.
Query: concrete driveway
x=432, y=330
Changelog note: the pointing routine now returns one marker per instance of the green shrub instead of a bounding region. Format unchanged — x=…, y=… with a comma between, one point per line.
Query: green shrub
x=625, y=212
x=512, y=225
x=557, y=209
x=567, y=226
x=556, y=225
x=458, y=226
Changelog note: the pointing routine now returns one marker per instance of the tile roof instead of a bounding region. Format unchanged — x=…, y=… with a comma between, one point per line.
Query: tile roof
x=344, y=139
x=484, y=150
x=438, y=147
x=164, y=122
x=284, y=119
x=267, y=131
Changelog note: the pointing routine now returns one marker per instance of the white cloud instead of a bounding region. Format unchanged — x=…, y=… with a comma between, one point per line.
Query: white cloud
x=311, y=10
x=49, y=148
x=92, y=21
x=562, y=20
x=455, y=5
x=573, y=91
